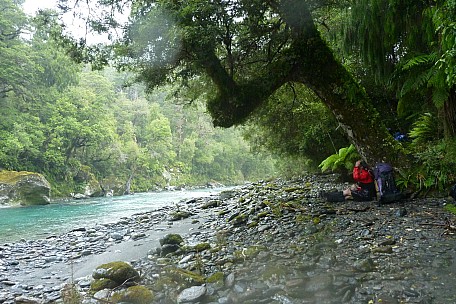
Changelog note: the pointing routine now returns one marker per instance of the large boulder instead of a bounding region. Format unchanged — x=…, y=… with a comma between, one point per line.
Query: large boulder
x=24, y=188
x=117, y=271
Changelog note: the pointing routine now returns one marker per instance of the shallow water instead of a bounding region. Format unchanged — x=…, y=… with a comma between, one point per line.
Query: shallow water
x=37, y=222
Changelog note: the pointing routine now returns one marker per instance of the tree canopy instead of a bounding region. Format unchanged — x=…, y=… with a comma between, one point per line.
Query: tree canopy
x=84, y=128
x=248, y=50
x=307, y=77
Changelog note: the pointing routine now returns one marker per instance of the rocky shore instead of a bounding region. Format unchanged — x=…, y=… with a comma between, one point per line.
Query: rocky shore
x=267, y=242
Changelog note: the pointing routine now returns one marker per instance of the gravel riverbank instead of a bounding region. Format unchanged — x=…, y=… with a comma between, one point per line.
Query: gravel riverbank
x=267, y=242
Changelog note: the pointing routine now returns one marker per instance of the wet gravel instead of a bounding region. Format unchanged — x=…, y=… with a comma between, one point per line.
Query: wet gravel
x=270, y=242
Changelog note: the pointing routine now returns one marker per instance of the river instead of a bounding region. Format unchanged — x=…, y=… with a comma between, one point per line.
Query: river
x=36, y=222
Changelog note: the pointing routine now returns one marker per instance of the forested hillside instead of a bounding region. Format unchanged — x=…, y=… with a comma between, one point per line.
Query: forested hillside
x=314, y=83
x=77, y=126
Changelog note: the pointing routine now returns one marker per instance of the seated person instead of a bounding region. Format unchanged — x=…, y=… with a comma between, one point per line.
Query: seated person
x=364, y=189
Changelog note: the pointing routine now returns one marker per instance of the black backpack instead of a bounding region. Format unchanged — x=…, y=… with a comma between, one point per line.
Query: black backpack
x=384, y=175
x=453, y=192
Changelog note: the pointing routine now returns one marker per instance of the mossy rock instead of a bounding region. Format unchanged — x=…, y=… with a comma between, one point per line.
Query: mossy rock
x=134, y=294
x=273, y=272
x=171, y=239
x=252, y=224
x=167, y=249
x=262, y=214
x=163, y=283
x=180, y=215
x=201, y=247
x=174, y=279
x=211, y=204
x=250, y=252
x=217, y=278
x=24, y=188
x=271, y=186
x=293, y=189
x=103, y=283
x=185, y=277
x=119, y=272
x=240, y=219
x=223, y=212
x=302, y=218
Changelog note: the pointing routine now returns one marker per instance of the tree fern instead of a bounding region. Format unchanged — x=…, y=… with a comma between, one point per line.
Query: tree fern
x=424, y=129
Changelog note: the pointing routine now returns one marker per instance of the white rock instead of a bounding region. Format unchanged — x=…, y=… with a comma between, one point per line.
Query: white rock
x=191, y=294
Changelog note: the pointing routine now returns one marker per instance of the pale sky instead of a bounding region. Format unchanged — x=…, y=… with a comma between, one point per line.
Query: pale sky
x=75, y=26
x=31, y=6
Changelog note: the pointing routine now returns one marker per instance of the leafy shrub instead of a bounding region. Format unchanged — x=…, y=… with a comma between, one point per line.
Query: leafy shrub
x=341, y=161
x=434, y=167
x=450, y=208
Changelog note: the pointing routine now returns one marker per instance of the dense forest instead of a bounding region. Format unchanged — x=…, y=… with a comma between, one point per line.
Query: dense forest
x=77, y=126
x=313, y=83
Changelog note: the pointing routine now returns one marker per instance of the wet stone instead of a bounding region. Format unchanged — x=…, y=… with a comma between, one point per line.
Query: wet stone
x=191, y=294
x=271, y=241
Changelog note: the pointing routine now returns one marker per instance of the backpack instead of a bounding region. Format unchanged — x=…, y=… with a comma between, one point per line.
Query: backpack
x=453, y=192
x=384, y=176
x=361, y=195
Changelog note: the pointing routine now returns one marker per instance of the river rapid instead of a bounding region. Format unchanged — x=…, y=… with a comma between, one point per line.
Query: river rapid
x=35, y=222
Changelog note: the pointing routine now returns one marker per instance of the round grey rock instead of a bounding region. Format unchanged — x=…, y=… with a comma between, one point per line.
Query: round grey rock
x=192, y=294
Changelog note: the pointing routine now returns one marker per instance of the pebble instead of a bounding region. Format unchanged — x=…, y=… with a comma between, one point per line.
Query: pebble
x=274, y=242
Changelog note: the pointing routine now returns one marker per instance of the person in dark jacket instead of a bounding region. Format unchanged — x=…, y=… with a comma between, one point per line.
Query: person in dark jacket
x=364, y=189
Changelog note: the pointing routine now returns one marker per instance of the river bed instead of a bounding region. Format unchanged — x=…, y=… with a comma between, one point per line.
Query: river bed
x=272, y=242
x=35, y=222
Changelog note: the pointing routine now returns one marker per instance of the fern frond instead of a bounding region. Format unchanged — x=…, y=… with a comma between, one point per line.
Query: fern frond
x=439, y=96
x=424, y=129
x=419, y=61
x=416, y=81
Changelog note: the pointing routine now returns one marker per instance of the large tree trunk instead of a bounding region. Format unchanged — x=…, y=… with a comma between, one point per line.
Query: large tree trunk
x=310, y=61
x=449, y=112
x=319, y=70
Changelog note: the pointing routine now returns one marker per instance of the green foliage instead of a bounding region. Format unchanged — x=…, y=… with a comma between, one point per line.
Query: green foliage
x=243, y=53
x=296, y=126
x=17, y=60
x=424, y=130
x=450, y=208
x=61, y=120
x=383, y=31
x=433, y=169
x=289, y=166
x=344, y=159
x=412, y=51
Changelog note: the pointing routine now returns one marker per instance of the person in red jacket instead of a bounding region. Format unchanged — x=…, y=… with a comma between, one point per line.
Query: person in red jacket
x=364, y=189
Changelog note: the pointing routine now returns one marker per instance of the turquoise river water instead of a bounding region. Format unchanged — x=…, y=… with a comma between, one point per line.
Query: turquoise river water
x=36, y=222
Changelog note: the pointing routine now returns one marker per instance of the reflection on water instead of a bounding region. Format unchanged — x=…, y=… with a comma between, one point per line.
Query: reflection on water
x=36, y=222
